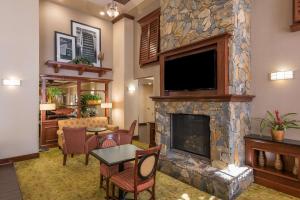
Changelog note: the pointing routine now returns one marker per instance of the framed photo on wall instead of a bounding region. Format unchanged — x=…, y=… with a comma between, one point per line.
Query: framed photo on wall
x=65, y=50
x=88, y=41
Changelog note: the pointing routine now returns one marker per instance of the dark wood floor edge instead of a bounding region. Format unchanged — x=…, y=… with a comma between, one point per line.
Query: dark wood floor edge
x=20, y=158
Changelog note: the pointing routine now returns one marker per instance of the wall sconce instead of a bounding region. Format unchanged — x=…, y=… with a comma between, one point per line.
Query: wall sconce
x=284, y=75
x=131, y=88
x=11, y=82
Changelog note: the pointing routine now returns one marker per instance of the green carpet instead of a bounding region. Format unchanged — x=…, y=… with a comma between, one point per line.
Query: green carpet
x=46, y=179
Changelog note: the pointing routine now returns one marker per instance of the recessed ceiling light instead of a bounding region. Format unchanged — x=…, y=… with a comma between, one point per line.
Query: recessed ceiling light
x=102, y=13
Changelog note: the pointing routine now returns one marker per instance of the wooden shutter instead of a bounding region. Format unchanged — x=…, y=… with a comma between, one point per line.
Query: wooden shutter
x=296, y=10
x=149, y=44
x=144, y=45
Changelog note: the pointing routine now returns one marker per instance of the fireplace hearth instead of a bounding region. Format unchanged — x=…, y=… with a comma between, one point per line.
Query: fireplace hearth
x=191, y=133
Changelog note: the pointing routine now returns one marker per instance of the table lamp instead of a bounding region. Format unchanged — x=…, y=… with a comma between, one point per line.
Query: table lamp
x=106, y=106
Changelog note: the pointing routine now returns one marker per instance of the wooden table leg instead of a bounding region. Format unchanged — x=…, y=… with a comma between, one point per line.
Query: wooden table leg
x=121, y=193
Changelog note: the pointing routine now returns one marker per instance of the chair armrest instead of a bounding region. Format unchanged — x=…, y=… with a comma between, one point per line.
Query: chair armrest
x=91, y=144
x=123, y=131
x=112, y=127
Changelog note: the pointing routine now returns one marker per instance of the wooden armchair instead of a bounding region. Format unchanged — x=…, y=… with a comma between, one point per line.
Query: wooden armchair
x=141, y=177
x=125, y=136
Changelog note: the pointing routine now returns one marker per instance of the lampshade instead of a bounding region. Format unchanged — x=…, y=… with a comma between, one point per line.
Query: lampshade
x=47, y=106
x=106, y=105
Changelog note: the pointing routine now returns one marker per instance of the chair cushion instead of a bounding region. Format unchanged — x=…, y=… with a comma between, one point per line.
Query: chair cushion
x=125, y=181
x=108, y=171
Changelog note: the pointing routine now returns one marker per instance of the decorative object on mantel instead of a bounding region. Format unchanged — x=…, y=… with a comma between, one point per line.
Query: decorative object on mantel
x=279, y=124
x=278, y=162
x=82, y=60
x=88, y=103
x=88, y=41
x=101, y=58
x=296, y=16
x=296, y=167
x=261, y=159
x=64, y=47
x=77, y=67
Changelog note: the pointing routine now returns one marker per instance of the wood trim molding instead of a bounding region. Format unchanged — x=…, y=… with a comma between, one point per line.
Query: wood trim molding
x=20, y=158
x=220, y=44
x=148, y=17
x=213, y=98
x=73, y=78
x=121, y=16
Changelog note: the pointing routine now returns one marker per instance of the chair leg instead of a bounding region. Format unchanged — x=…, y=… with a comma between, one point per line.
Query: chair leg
x=135, y=195
x=86, y=159
x=65, y=159
x=72, y=155
x=101, y=181
x=153, y=192
x=107, y=188
x=113, y=191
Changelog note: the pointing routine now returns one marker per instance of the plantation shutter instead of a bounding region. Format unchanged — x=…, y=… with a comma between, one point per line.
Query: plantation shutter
x=149, y=44
x=297, y=10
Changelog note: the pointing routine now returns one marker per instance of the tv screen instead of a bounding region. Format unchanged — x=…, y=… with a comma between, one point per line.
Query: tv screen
x=193, y=72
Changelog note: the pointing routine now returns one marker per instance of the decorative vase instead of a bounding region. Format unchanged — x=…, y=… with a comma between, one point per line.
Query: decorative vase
x=296, y=167
x=278, y=135
x=261, y=159
x=278, y=162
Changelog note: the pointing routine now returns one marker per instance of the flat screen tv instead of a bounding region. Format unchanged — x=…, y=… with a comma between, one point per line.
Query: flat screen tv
x=192, y=72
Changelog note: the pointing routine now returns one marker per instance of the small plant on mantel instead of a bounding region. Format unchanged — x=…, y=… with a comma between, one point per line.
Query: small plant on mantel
x=279, y=124
x=82, y=60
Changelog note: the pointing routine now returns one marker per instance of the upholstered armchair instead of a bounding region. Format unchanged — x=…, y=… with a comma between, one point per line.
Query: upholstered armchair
x=73, y=142
x=125, y=136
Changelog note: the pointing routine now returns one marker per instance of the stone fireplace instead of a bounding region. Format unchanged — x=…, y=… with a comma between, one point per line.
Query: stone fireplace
x=202, y=133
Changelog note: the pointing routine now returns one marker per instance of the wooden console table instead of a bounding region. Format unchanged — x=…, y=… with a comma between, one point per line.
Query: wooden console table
x=262, y=153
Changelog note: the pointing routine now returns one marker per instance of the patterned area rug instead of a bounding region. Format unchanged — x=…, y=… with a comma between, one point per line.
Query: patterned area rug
x=46, y=179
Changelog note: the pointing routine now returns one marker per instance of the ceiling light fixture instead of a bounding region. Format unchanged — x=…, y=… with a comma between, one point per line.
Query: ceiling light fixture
x=112, y=9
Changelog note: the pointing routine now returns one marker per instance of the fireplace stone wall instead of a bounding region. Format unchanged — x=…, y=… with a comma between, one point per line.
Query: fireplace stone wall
x=188, y=21
x=229, y=123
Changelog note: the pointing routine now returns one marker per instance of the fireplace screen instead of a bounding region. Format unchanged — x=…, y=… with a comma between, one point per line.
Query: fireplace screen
x=191, y=133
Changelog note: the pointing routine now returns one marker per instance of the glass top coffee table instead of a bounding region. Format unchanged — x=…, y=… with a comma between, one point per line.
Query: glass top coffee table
x=116, y=155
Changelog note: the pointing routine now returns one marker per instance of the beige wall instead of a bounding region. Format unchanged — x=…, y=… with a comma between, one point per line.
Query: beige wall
x=54, y=17
x=274, y=47
x=19, y=55
x=146, y=105
x=150, y=70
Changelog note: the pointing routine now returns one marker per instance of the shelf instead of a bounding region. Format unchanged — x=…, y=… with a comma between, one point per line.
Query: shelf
x=209, y=98
x=273, y=171
x=77, y=67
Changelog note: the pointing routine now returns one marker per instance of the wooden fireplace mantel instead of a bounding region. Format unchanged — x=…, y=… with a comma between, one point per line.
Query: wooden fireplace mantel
x=211, y=98
x=77, y=67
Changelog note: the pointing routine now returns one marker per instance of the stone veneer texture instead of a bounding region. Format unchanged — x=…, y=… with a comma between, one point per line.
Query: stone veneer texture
x=188, y=21
x=229, y=123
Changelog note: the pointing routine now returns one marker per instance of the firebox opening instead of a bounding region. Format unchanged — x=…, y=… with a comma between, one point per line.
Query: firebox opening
x=191, y=133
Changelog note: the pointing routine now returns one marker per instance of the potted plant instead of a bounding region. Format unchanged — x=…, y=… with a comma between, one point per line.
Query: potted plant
x=53, y=92
x=87, y=100
x=279, y=124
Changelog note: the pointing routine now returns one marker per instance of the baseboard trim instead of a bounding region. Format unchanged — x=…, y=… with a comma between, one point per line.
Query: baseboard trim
x=20, y=158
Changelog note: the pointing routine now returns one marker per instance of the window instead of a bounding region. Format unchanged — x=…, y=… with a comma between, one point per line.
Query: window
x=149, y=44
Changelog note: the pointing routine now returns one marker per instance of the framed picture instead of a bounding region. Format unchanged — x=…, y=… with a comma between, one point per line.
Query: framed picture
x=88, y=41
x=65, y=50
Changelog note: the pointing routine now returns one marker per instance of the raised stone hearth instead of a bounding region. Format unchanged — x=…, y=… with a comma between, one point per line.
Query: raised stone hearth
x=184, y=23
x=229, y=122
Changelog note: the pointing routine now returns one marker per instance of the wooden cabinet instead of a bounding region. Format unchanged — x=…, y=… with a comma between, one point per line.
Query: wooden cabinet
x=48, y=137
x=275, y=164
x=150, y=32
x=296, y=16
